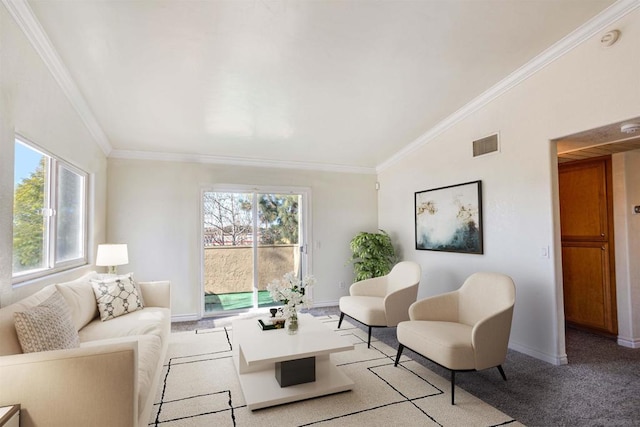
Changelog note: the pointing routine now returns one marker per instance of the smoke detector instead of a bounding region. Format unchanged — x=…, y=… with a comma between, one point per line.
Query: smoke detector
x=610, y=38
x=630, y=128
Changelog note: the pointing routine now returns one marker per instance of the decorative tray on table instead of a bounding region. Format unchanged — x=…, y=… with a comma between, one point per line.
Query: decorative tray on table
x=268, y=323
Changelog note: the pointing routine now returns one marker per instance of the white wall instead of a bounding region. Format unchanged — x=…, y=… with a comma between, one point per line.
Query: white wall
x=626, y=177
x=154, y=207
x=633, y=250
x=586, y=88
x=32, y=104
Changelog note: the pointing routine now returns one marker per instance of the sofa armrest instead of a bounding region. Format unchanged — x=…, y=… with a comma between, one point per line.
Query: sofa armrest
x=443, y=307
x=87, y=386
x=156, y=294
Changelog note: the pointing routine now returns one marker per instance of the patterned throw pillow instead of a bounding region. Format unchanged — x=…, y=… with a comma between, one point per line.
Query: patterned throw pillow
x=47, y=326
x=116, y=295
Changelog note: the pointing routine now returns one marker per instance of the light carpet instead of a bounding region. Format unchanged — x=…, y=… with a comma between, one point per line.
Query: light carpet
x=200, y=387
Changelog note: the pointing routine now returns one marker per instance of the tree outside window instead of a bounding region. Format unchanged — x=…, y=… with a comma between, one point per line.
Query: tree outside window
x=49, y=213
x=28, y=221
x=228, y=219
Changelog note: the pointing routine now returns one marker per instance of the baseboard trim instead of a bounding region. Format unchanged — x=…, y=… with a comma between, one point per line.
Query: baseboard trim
x=629, y=342
x=325, y=303
x=557, y=360
x=192, y=317
x=185, y=317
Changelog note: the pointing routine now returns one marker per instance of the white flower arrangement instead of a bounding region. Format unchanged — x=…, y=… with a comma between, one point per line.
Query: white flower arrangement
x=292, y=292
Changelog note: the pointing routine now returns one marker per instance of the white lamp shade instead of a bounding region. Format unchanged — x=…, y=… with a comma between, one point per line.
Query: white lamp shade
x=112, y=254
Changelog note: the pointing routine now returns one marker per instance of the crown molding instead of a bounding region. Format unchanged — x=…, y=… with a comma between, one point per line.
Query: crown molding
x=25, y=18
x=28, y=23
x=238, y=161
x=557, y=50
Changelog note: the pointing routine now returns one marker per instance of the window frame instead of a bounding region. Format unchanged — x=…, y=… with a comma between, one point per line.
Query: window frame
x=305, y=231
x=53, y=165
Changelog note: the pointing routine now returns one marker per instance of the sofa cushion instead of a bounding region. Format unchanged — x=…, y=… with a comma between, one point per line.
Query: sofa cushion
x=116, y=296
x=47, y=326
x=81, y=300
x=149, y=321
x=8, y=335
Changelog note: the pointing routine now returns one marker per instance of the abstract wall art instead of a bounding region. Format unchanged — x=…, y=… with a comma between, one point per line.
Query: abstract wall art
x=449, y=219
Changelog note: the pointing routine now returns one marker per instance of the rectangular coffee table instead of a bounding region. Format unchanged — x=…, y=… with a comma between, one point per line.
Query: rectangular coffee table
x=256, y=354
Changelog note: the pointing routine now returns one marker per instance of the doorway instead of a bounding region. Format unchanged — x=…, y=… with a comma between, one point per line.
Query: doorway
x=587, y=234
x=250, y=237
x=615, y=141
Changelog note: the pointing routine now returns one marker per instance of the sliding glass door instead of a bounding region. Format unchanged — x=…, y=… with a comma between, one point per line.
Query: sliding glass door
x=249, y=239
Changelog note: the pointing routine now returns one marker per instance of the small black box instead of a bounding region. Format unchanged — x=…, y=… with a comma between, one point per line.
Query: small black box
x=297, y=371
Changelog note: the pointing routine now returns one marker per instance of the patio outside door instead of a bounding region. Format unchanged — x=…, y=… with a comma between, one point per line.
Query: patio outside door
x=250, y=238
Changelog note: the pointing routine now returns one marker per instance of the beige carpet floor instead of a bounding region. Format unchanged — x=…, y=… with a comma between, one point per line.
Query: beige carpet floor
x=200, y=387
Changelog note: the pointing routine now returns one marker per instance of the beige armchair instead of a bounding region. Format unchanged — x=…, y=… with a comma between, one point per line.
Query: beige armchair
x=464, y=330
x=383, y=301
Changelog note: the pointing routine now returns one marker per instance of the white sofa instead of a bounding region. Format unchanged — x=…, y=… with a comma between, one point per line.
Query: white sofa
x=110, y=380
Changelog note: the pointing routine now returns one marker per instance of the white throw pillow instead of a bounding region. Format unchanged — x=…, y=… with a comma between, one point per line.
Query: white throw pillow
x=81, y=300
x=46, y=326
x=116, y=295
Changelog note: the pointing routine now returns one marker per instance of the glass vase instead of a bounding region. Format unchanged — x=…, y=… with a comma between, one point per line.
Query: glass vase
x=292, y=323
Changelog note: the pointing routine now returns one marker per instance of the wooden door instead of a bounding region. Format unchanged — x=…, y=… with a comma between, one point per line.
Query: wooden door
x=586, y=218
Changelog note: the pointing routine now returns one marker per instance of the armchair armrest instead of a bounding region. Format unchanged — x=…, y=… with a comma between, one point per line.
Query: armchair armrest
x=396, y=304
x=374, y=287
x=443, y=307
x=96, y=386
x=490, y=339
x=156, y=294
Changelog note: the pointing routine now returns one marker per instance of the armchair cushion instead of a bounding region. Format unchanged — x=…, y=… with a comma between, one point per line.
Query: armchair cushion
x=446, y=343
x=368, y=310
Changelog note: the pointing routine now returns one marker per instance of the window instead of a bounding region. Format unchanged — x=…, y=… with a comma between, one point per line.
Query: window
x=250, y=237
x=49, y=213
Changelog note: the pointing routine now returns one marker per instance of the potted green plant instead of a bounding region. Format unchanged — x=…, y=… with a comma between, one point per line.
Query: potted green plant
x=373, y=255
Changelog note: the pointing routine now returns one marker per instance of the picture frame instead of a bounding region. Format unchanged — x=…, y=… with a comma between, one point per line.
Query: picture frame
x=449, y=219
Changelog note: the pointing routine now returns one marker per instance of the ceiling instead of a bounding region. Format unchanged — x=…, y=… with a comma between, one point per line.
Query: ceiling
x=328, y=83
x=602, y=141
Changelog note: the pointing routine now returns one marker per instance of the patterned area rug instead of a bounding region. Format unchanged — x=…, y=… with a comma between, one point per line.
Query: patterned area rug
x=200, y=387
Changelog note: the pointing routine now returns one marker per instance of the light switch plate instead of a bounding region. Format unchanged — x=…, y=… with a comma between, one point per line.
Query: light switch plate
x=544, y=252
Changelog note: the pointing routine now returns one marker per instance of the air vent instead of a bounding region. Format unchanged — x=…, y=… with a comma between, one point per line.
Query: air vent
x=485, y=145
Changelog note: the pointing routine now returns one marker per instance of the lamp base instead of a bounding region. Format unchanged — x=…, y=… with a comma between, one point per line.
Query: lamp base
x=112, y=269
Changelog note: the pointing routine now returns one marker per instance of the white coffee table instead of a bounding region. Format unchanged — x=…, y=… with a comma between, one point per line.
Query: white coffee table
x=256, y=353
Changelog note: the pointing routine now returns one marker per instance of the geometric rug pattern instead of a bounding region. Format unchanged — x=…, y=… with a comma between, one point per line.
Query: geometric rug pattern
x=200, y=387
